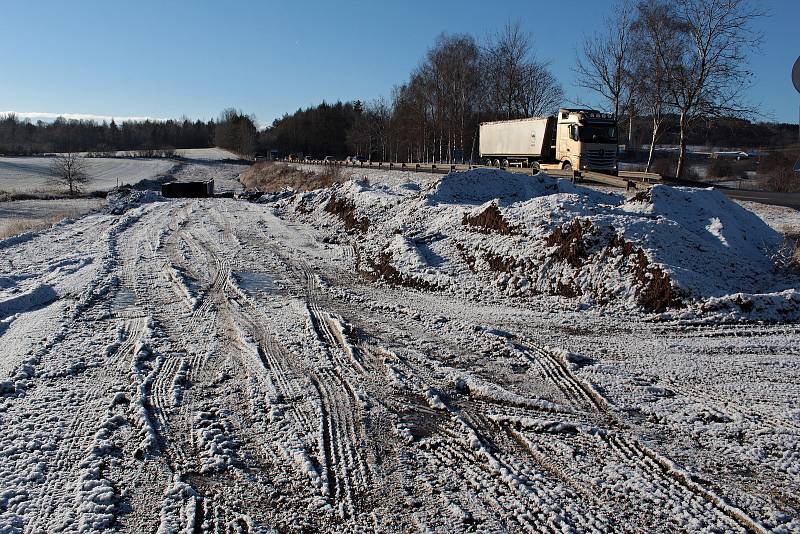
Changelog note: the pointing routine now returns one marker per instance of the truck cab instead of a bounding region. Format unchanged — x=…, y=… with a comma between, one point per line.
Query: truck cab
x=586, y=139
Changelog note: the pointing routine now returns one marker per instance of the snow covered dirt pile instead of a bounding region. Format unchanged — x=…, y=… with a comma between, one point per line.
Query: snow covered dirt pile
x=667, y=249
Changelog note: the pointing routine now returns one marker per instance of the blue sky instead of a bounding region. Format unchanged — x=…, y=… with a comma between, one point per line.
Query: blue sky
x=168, y=59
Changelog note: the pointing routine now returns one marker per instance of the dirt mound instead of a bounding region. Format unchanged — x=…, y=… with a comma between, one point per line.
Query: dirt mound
x=487, y=220
x=346, y=211
x=479, y=186
x=662, y=250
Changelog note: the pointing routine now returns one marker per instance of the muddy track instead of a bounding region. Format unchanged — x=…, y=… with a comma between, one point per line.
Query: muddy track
x=286, y=392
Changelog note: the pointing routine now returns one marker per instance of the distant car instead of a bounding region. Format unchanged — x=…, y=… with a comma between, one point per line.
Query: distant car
x=328, y=159
x=307, y=159
x=737, y=155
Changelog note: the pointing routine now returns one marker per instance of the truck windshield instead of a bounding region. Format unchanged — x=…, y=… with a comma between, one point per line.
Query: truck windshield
x=598, y=134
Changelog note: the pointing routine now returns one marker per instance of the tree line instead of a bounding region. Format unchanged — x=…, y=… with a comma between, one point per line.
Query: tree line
x=233, y=130
x=23, y=137
x=673, y=71
x=673, y=61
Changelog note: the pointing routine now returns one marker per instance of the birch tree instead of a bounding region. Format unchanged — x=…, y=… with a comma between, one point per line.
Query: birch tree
x=710, y=74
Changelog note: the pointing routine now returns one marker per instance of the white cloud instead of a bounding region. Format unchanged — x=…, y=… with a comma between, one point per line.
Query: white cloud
x=49, y=117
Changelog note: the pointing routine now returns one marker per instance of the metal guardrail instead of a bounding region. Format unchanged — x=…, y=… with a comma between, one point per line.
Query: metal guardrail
x=643, y=176
x=608, y=179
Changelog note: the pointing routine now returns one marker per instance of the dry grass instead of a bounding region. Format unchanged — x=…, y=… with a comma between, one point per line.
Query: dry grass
x=8, y=196
x=13, y=195
x=20, y=226
x=271, y=177
x=776, y=173
x=791, y=252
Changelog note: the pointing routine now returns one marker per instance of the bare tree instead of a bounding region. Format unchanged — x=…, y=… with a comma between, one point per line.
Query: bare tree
x=605, y=66
x=540, y=93
x=655, y=32
x=69, y=170
x=516, y=82
x=236, y=131
x=505, y=63
x=711, y=75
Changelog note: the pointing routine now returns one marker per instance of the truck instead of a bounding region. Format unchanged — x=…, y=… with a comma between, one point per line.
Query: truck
x=574, y=139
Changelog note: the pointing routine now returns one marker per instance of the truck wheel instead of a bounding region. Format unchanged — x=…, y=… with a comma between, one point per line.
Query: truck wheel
x=505, y=163
x=535, y=167
x=488, y=162
x=567, y=166
x=497, y=163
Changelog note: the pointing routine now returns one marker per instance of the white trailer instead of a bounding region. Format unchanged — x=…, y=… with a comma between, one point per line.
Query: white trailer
x=580, y=139
x=521, y=138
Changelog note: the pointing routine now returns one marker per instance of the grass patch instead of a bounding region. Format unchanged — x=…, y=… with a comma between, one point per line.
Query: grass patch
x=20, y=226
x=787, y=259
x=10, y=196
x=272, y=177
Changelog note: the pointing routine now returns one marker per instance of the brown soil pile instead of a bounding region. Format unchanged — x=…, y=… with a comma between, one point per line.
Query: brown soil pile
x=489, y=220
x=383, y=269
x=346, y=211
x=655, y=293
x=568, y=241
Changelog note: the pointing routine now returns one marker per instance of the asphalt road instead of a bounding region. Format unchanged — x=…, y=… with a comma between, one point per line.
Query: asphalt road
x=791, y=200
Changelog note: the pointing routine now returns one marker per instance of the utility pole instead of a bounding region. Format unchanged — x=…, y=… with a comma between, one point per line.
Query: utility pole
x=796, y=82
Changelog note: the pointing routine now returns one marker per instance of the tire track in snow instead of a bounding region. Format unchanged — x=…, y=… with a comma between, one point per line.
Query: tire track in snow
x=345, y=437
x=554, y=369
x=77, y=437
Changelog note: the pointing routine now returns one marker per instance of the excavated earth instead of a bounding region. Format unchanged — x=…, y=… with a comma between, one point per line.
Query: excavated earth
x=208, y=366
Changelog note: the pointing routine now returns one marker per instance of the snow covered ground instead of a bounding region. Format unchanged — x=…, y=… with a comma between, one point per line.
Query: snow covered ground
x=224, y=174
x=31, y=174
x=207, y=154
x=216, y=365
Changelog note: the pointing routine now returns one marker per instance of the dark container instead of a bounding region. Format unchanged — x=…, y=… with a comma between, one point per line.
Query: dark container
x=188, y=189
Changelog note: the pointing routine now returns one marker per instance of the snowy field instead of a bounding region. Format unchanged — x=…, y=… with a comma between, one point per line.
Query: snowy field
x=224, y=174
x=360, y=359
x=206, y=154
x=31, y=174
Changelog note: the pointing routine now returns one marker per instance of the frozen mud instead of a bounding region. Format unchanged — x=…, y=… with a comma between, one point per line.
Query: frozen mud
x=210, y=366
